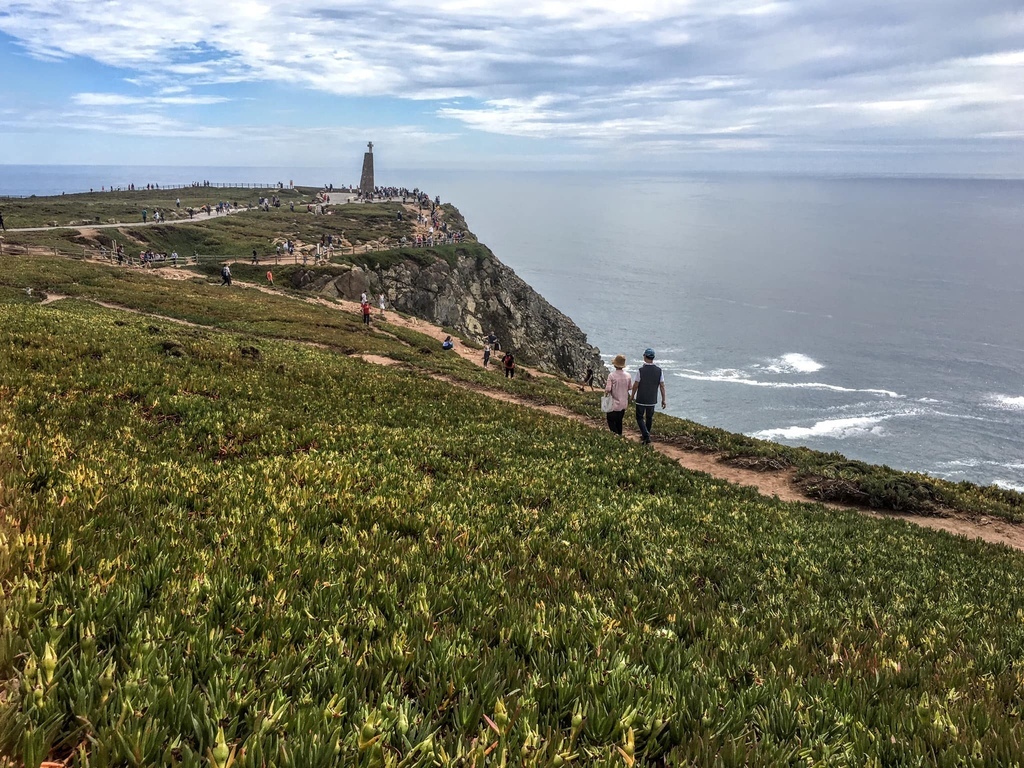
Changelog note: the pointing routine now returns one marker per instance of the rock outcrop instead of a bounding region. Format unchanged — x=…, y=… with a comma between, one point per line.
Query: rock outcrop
x=472, y=293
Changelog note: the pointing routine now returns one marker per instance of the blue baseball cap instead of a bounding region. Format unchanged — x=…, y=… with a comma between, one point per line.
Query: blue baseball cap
x=649, y=353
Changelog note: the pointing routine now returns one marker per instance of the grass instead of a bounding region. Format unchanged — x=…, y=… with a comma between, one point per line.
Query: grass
x=216, y=543
x=825, y=476
x=124, y=206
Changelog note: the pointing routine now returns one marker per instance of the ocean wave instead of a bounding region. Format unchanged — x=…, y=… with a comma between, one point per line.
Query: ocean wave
x=733, y=376
x=975, y=463
x=838, y=429
x=1007, y=485
x=1006, y=402
x=793, y=362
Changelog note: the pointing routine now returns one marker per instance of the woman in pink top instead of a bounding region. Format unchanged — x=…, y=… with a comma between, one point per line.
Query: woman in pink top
x=617, y=386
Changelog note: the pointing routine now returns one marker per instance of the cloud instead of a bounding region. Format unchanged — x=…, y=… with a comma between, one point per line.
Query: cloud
x=731, y=75
x=123, y=100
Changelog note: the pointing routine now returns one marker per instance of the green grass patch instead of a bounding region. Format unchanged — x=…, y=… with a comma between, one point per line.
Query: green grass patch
x=329, y=562
x=126, y=207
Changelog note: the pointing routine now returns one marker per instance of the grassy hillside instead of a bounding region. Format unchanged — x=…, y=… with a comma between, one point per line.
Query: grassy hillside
x=219, y=544
x=829, y=477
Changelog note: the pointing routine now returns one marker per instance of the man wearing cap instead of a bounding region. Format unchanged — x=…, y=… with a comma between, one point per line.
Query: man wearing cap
x=647, y=382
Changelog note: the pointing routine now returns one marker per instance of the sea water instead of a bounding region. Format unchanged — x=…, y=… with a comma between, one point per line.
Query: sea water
x=881, y=318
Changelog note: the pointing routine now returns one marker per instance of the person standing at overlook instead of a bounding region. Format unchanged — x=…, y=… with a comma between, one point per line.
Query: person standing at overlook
x=618, y=386
x=647, y=382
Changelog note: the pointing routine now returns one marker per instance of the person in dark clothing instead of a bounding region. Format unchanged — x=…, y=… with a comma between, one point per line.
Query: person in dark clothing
x=647, y=382
x=487, y=355
x=2, y=225
x=255, y=258
x=588, y=378
x=509, y=364
x=225, y=275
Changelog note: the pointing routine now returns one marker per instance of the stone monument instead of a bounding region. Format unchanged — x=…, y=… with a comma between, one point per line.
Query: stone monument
x=366, y=180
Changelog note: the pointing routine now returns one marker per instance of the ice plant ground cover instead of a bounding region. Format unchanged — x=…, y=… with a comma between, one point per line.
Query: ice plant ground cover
x=286, y=315
x=224, y=548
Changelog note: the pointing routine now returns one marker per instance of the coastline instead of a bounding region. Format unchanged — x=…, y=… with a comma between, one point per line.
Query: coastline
x=841, y=481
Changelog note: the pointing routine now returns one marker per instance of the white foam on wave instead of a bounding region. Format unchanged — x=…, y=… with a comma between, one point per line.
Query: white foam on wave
x=975, y=463
x=732, y=376
x=1006, y=402
x=793, y=362
x=837, y=429
x=1007, y=485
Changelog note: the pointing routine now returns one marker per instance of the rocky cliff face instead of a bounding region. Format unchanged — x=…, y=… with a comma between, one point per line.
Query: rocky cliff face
x=473, y=294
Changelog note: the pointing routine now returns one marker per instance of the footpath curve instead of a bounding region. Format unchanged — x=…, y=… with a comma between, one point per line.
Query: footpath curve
x=771, y=484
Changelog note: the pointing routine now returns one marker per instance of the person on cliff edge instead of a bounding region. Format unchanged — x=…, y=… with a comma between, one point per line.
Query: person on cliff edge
x=647, y=382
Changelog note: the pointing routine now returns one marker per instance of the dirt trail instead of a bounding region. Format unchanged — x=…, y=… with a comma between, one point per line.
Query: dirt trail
x=778, y=484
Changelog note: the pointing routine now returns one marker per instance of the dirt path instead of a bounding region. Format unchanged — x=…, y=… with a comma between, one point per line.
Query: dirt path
x=778, y=484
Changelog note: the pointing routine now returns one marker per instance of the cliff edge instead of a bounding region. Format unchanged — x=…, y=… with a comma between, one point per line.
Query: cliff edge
x=467, y=289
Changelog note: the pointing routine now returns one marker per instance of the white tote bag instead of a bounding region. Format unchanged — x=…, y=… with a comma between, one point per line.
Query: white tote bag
x=607, y=404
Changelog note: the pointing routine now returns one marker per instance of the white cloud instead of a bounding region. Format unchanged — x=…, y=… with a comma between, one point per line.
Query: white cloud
x=123, y=100
x=731, y=74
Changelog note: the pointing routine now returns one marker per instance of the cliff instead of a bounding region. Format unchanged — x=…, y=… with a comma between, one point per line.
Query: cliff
x=467, y=289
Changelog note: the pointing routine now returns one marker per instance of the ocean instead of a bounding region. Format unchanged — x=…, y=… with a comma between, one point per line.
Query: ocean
x=880, y=318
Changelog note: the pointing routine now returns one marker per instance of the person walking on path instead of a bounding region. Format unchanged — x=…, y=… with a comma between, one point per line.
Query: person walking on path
x=145, y=213
x=647, y=382
x=487, y=355
x=381, y=303
x=618, y=386
x=365, y=306
x=255, y=258
x=225, y=275
x=270, y=278
x=509, y=363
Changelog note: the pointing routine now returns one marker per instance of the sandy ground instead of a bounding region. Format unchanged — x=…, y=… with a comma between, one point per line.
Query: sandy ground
x=777, y=484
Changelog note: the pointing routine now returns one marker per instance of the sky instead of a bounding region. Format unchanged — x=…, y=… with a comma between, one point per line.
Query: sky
x=837, y=86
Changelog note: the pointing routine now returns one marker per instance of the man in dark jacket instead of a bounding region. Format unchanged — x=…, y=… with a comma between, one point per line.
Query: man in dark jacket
x=647, y=382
